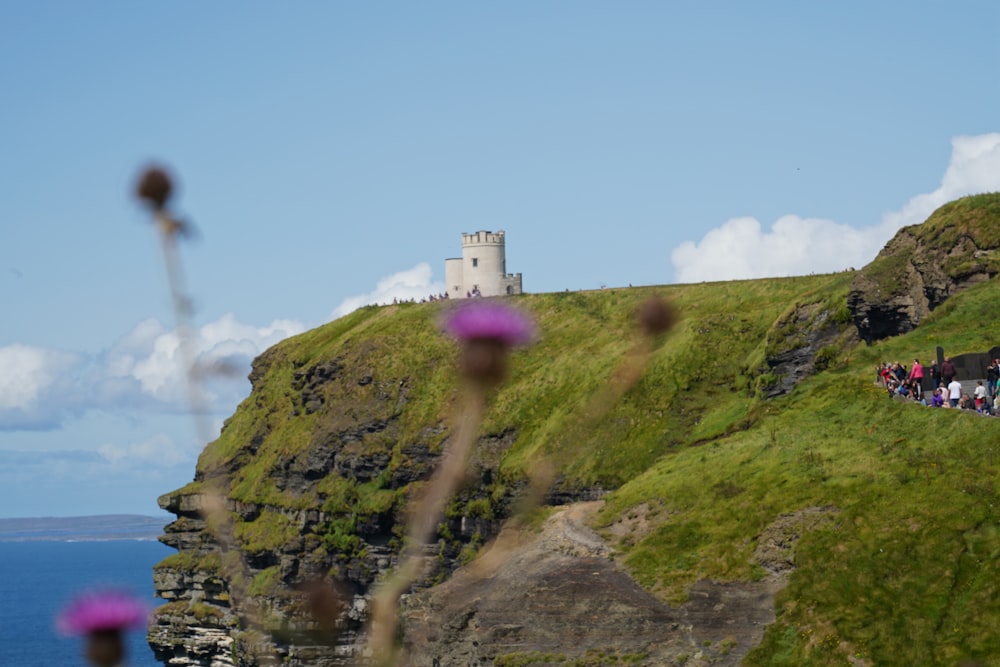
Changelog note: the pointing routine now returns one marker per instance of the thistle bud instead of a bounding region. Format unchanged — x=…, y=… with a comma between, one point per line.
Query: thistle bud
x=656, y=316
x=154, y=187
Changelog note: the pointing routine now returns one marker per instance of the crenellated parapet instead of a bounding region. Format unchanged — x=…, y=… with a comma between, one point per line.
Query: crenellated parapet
x=483, y=238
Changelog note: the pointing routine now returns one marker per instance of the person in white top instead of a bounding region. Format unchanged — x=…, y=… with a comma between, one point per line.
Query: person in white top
x=980, y=395
x=954, y=392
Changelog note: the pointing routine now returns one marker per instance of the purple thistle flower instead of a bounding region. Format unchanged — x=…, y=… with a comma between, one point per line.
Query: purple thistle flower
x=490, y=321
x=487, y=331
x=101, y=611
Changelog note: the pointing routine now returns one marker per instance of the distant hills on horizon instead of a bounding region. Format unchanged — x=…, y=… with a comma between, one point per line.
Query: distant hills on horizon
x=80, y=528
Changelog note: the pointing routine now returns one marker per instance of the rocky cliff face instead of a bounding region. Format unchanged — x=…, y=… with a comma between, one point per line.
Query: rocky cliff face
x=807, y=339
x=201, y=626
x=313, y=473
x=957, y=247
x=327, y=513
x=314, y=526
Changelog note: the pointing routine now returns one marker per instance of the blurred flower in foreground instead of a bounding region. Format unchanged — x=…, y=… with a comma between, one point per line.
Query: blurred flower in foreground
x=487, y=331
x=657, y=316
x=154, y=187
x=493, y=321
x=325, y=601
x=103, y=616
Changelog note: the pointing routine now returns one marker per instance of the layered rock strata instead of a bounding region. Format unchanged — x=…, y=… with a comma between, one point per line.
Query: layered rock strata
x=923, y=265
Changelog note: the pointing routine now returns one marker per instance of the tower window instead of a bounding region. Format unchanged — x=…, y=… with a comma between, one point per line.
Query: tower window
x=475, y=262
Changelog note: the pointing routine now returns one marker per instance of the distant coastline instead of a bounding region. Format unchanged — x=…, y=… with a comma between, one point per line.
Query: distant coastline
x=82, y=528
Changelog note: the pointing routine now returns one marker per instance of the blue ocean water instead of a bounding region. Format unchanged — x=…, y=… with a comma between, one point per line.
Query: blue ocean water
x=38, y=579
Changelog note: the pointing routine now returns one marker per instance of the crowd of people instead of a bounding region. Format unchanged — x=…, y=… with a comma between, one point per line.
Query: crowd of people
x=474, y=293
x=430, y=297
x=938, y=387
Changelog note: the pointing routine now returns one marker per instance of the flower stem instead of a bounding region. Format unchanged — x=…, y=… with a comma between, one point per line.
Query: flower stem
x=425, y=515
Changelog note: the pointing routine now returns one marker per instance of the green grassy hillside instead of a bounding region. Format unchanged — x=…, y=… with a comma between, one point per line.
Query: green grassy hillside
x=900, y=568
x=905, y=572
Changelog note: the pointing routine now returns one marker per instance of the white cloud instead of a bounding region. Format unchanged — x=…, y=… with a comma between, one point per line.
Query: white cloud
x=28, y=372
x=413, y=283
x=741, y=248
x=793, y=246
x=153, y=356
x=42, y=388
x=974, y=168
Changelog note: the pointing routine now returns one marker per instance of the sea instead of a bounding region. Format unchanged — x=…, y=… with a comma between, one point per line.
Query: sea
x=39, y=577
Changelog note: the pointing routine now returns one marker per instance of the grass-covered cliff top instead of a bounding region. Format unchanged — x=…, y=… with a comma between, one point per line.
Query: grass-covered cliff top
x=901, y=569
x=959, y=239
x=704, y=381
x=974, y=216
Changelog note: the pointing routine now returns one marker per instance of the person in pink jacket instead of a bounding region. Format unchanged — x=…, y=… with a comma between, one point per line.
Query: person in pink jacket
x=917, y=377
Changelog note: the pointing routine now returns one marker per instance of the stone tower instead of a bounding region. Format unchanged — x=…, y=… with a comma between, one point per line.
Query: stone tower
x=482, y=268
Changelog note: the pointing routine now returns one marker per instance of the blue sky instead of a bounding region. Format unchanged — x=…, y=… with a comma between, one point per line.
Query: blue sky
x=331, y=154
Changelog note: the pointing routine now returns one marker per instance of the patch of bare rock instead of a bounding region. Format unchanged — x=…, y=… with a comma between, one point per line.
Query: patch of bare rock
x=557, y=596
